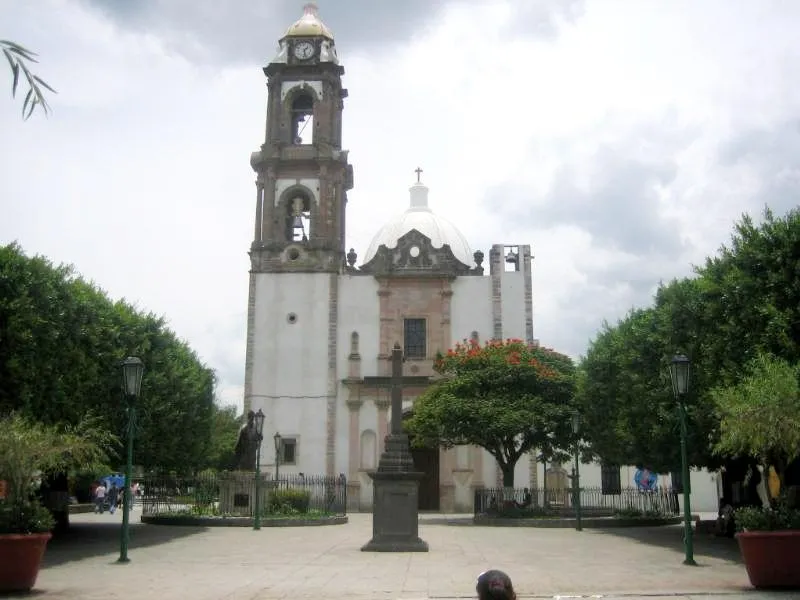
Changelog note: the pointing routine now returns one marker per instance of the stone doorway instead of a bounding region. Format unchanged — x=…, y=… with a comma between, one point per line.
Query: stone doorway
x=426, y=461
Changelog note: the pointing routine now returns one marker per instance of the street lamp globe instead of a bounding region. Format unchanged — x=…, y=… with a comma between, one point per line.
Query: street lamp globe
x=259, y=423
x=277, y=440
x=576, y=423
x=679, y=374
x=132, y=370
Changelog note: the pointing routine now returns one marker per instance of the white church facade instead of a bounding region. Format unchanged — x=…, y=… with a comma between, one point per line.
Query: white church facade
x=322, y=320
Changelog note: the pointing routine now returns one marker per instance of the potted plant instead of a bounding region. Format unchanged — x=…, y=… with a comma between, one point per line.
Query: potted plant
x=760, y=418
x=29, y=451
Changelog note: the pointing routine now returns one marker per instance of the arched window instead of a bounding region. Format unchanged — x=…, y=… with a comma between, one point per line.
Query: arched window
x=303, y=119
x=369, y=449
x=298, y=218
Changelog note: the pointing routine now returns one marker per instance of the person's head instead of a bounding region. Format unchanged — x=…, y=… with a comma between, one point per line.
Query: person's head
x=495, y=585
x=250, y=416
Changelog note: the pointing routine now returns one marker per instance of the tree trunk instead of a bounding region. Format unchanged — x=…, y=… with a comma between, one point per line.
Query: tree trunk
x=508, y=475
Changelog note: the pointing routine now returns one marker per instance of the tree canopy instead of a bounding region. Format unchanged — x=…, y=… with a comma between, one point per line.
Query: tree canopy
x=504, y=396
x=760, y=415
x=61, y=344
x=743, y=301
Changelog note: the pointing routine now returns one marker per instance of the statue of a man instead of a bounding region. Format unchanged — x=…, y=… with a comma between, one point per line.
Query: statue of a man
x=247, y=445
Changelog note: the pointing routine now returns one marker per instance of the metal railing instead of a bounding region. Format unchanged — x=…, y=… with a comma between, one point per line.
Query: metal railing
x=594, y=501
x=233, y=494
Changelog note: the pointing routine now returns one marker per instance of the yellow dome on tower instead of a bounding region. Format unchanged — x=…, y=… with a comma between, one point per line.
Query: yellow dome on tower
x=309, y=25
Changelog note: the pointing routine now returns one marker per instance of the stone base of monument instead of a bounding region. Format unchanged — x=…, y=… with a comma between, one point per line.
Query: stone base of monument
x=395, y=514
x=237, y=493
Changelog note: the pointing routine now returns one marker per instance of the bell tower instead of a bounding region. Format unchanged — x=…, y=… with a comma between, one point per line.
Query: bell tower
x=302, y=173
x=297, y=254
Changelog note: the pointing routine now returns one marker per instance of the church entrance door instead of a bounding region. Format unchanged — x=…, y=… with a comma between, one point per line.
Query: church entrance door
x=426, y=460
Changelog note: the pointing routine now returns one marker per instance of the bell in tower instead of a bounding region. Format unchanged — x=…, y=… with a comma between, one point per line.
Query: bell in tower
x=302, y=173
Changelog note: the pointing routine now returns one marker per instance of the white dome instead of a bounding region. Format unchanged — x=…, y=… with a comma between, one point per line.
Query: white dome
x=420, y=217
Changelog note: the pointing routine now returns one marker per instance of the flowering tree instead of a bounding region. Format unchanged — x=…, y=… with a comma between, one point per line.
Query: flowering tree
x=504, y=396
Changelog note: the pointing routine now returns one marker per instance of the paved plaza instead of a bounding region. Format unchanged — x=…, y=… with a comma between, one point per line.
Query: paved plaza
x=232, y=563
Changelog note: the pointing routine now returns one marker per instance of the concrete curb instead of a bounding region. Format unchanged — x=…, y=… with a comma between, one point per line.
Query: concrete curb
x=589, y=523
x=191, y=521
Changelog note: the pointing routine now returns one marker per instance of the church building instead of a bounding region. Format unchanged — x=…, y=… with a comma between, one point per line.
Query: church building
x=322, y=319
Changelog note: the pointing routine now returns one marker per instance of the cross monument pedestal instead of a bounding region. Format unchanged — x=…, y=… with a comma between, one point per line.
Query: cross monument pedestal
x=395, y=506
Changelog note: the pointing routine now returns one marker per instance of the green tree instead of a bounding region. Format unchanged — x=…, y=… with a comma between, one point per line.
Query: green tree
x=751, y=293
x=743, y=301
x=29, y=449
x=760, y=415
x=625, y=395
x=224, y=433
x=61, y=343
x=18, y=58
x=505, y=397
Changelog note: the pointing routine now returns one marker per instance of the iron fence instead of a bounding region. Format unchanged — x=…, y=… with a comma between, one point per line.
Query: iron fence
x=233, y=494
x=594, y=501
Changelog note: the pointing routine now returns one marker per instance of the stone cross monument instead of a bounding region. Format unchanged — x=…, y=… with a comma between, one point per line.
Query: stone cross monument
x=395, y=516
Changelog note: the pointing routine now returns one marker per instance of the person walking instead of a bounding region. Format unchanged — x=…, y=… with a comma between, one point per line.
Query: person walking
x=100, y=498
x=113, y=496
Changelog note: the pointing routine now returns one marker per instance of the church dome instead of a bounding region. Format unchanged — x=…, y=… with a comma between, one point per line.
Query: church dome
x=419, y=216
x=309, y=25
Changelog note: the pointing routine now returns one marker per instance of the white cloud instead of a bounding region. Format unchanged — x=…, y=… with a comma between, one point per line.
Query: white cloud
x=141, y=176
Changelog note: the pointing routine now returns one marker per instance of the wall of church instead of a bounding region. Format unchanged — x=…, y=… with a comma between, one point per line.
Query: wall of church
x=290, y=363
x=513, y=304
x=471, y=308
x=359, y=312
x=357, y=355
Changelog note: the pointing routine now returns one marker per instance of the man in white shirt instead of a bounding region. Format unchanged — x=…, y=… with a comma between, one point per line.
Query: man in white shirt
x=100, y=498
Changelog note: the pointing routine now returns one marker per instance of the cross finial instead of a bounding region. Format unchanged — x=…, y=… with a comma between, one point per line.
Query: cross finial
x=418, y=171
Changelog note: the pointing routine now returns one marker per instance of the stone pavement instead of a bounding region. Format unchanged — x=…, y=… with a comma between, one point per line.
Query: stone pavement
x=171, y=563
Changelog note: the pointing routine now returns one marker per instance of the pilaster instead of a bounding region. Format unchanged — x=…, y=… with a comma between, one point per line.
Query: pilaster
x=496, y=273
x=333, y=382
x=249, y=344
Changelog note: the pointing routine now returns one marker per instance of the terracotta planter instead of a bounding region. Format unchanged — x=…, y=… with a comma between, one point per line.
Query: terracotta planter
x=20, y=558
x=772, y=558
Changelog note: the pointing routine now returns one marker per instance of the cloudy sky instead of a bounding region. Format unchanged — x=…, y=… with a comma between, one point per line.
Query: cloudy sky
x=620, y=138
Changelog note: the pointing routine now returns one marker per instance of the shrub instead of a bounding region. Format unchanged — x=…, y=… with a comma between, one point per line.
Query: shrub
x=776, y=518
x=288, y=501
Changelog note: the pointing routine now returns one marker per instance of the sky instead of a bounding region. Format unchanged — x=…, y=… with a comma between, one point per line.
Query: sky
x=621, y=139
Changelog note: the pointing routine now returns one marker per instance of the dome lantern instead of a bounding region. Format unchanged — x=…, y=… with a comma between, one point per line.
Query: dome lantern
x=309, y=25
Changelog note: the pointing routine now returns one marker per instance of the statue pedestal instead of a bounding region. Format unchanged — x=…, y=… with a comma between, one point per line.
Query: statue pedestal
x=237, y=493
x=395, y=516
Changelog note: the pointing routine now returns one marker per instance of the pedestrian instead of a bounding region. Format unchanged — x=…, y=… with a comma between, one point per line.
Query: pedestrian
x=100, y=498
x=495, y=585
x=113, y=495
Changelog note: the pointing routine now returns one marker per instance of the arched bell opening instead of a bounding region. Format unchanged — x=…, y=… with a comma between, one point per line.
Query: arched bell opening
x=302, y=119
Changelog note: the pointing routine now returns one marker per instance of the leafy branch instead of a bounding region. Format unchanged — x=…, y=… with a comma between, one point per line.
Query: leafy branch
x=17, y=57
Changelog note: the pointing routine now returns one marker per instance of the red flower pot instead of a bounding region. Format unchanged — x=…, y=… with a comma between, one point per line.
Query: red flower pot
x=20, y=558
x=772, y=558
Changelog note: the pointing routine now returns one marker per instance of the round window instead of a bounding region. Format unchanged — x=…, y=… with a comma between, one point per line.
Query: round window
x=292, y=318
x=414, y=251
x=293, y=253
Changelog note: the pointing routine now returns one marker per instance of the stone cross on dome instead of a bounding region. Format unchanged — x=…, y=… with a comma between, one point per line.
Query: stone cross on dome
x=418, y=171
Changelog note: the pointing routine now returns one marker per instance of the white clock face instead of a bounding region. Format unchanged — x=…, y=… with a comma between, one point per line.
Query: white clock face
x=304, y=50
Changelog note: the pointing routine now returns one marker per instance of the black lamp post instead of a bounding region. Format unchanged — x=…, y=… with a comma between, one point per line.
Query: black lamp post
x=132, y=370
x=576, y=480
x=259, y=423
x=277, y=439
x=679, y=374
